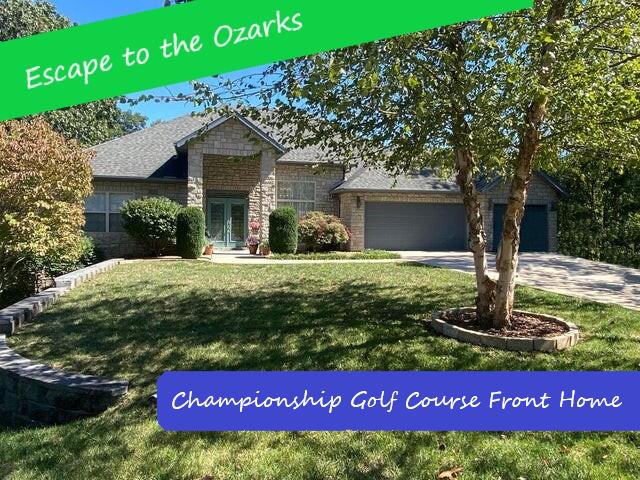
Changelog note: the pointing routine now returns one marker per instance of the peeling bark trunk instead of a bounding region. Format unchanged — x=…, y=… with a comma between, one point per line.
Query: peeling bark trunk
x=507, y=260
x=486, y=288
x=465, y=165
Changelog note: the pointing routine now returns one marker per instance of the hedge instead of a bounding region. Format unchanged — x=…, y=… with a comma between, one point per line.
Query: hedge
x=152, y=222
x=190, y=231
x=283, y=230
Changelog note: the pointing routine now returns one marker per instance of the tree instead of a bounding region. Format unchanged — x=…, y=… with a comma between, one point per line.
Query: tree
x=90, y=124
x=132, y=122
x=501, y=96
x=44, y=179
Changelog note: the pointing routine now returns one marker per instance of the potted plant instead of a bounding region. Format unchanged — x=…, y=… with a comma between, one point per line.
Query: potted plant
x=252, y=243
x=208, y=248
x=265, y=249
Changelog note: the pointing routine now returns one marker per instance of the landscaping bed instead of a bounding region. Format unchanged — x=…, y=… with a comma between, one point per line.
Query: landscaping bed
x=364, y=255
x=144, y=318
x=523, y=324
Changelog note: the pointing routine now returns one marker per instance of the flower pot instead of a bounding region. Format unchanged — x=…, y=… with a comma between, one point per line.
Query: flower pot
x=208, y=250
x=265, y=251
x=253, y=249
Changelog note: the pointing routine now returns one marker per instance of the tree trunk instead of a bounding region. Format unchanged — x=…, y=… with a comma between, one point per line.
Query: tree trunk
x=507, y=260
x=465, y=165
x=485, y=287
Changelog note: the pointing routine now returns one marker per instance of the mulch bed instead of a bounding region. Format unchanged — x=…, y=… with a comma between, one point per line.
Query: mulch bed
x=522, y=325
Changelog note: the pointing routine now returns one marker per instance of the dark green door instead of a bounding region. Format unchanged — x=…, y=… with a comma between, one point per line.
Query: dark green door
x=534, y=231
x=227, y=222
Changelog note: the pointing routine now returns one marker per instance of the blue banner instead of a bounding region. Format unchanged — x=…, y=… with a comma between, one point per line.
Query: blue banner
x=331, y=401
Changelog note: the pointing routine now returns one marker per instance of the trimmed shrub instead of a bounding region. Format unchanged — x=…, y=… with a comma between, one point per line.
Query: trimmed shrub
x=152, y=223
x=190, y=231
x=283, y=230
x=320, y=232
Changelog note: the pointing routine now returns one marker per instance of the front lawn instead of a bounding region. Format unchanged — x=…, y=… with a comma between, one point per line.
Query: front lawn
x=364, y=255
x=144, y=318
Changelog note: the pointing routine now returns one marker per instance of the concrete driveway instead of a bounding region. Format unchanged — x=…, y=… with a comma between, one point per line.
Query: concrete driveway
x=600, y=282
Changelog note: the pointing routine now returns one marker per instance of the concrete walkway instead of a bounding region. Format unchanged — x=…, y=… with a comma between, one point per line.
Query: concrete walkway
x=600, y=282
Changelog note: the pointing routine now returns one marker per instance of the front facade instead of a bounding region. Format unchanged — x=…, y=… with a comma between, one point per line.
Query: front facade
x=237, y=171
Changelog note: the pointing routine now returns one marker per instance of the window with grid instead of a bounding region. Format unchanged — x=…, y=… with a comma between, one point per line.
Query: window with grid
x=299, y=195
x=102, y=211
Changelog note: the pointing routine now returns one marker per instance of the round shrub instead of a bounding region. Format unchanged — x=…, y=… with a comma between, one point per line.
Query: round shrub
x=151, y=222
x=190, y=231
x=320, y=232
x=283, y=230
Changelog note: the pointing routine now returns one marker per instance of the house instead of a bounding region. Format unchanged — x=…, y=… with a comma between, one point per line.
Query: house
x=237, y=170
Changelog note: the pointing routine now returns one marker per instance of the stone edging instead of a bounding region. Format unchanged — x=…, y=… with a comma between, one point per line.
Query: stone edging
x=12, y=317
x=540, y=344
x=33, y=394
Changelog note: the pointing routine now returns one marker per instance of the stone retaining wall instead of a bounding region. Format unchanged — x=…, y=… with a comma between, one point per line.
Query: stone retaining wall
x=12, y=317
x=33, y=394
x=540, y=344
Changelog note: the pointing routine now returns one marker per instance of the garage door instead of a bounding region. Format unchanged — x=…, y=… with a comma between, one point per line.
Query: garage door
x=534, y=232
x=415, y=226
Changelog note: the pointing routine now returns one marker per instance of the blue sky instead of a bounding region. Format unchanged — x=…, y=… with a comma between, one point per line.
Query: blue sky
x=87, y=11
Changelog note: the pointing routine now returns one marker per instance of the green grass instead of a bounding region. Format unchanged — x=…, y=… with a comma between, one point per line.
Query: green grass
x=364, y=255
x=144, y=318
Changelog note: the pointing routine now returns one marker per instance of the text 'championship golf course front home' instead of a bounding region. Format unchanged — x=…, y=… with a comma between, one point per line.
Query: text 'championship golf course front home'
x=237, y=170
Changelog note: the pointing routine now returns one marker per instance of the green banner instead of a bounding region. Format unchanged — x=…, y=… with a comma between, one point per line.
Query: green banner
x=206, y=37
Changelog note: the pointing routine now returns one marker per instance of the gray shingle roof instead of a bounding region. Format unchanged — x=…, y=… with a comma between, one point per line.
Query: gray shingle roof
x=142, y=154
x=151, y=153
x=376, y=180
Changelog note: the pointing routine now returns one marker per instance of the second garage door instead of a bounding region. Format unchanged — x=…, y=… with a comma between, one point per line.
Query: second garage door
x=415, y=226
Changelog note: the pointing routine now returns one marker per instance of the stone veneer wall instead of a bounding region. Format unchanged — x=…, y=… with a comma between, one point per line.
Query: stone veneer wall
x=540, y=193
x=32, y=394
x=326, y=179
x=233, y=139
x=233, y=175
x=119, y=244
x=353, y=216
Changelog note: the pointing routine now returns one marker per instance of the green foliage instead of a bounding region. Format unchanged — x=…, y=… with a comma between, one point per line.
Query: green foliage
x=601, y=218
x=320, y=232
x=44, y=180
x=151, y=222
x=364, y=255
x=190, y=232
x=89, y=124
x=283, y=230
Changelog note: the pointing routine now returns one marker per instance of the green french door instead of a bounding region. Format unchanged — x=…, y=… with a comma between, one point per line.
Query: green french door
x=227, y=221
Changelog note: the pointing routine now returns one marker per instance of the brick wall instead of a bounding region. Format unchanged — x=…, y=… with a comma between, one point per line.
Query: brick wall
x=252, y=163
x=119, y=244
x=326, y=178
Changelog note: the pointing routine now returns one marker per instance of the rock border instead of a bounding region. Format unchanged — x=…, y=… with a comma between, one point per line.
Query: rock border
x=14, y=316
x=34, y=395
x=514, y=344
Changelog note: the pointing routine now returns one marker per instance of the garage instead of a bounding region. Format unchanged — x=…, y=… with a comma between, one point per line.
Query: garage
x=534, y=231
x=415, y=226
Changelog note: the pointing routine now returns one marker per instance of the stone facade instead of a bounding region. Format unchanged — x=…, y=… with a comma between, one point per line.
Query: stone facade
x=232, y=144
x=119, y=244
x=326, y=178
x=353, y=205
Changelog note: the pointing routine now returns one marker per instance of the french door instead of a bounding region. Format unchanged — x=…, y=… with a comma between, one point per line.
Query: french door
x=227, y=222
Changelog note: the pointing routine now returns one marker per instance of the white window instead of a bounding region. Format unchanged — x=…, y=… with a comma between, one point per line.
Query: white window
x=299, y=195
x=102, y=211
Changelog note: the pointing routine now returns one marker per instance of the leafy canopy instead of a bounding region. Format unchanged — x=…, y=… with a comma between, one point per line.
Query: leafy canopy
x=44, y=179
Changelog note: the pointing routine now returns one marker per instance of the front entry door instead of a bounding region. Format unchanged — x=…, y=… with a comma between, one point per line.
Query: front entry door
x=227, y=222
